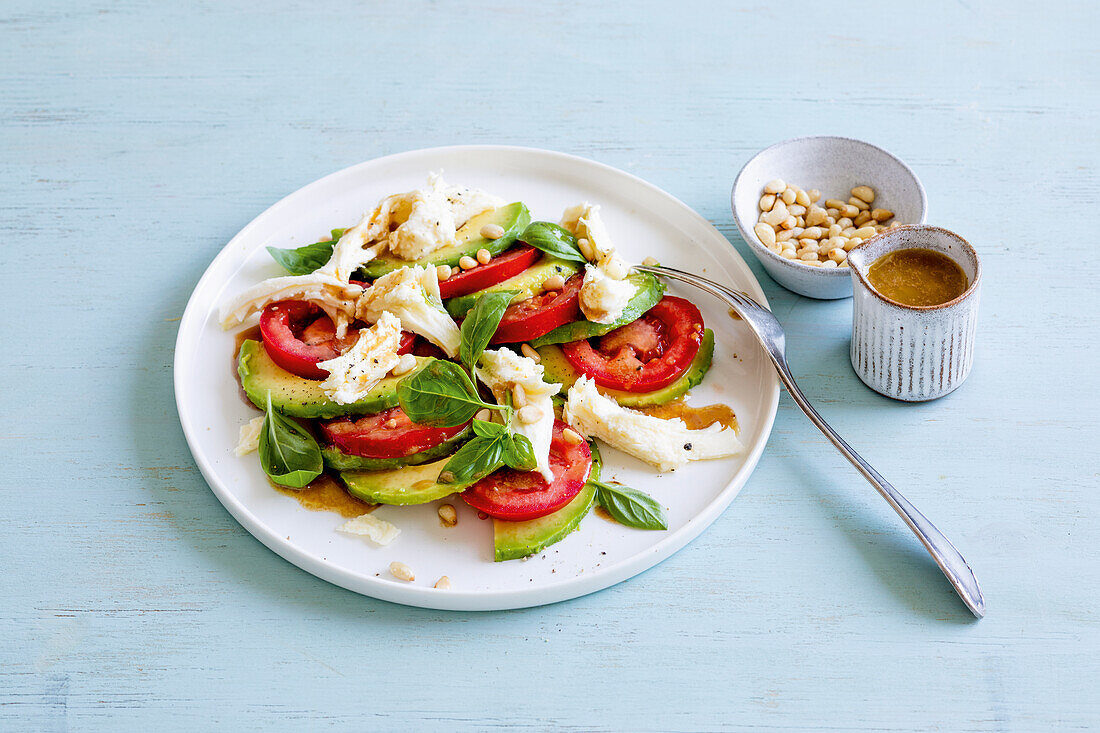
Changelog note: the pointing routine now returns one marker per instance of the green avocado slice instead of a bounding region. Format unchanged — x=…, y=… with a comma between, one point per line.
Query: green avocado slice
x=338, y=460
x=557, y=369
x=527, y=284
x=513, y=218
x=649, y=293
x=515, y=540
x=299, y=397
x=401, y=486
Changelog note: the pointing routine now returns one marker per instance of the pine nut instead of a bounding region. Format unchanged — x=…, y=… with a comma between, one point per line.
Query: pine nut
x=864, y=193
x=390, y=424
x=843, y=264
x=765, y=233
x=519, y=396
x=767, y=201
x=808, y=256
x=852, y=244
x=894, y=225
x=882, y=215
x=443, y=272
x=861, y=205
x=812, y=263
x=815, y=215
x=405, y=364
x=529, y=414
x=530, y=353
x=443, y=583
x=865, y=233
x=777, y=247
x=554, y=282
x=849, y=211
x=571, y=436
x=802, y=198
x=796, y=210
x=586, y=249
x=809, y=245
x=848, y=232
x=784, y=235
x=789, y=223
x=776, y=215
x=814, y=195
x=492, y=231
x=833, y=213
x=844, y=222
x=834, y=230
x=483, y=414
x=445, y=477
x=467, y=263
x=776, y=186
x=838, y=255
x=788, y=196
x=790, y=254
x=651, y=261
x=484, y=256
x=834, y=204
x=830, y=220
x=835, y=242
x=812, y=233
x=863, y=218
x=401, y=571
x=828, y=263
x=448, y=515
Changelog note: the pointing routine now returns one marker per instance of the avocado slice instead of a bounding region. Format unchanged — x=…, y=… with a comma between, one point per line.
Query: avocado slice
x=515, y=540
x=557, y=369
x=402, y=486
x=650, y=290
x=527, y=284
x=299, y=397
x=513, y=218
x=338, y=460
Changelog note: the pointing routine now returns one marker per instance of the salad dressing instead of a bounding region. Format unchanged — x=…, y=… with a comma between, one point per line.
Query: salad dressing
x=696, y=418
x=325, y=494
x=918, y=277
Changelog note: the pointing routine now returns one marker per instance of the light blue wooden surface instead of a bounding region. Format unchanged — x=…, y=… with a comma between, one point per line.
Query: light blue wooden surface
x=139, y=136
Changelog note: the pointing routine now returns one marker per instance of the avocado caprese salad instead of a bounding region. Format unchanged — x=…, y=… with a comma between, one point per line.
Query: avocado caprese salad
x=448, y=345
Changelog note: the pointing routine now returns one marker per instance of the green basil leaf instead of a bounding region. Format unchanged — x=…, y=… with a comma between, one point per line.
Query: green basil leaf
x=481, y=323
x=519, y=453
x=288, y=453
x=487, y=429
x=630, y=506
x=552, y=239
x=475, y=460
x=439, y=395
x=304, y=260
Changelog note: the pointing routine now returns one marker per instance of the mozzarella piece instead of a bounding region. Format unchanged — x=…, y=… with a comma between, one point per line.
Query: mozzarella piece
x=605, y=291
x=412, y=294
x=419, y=222
x=357, y=370
x=334, y=297
x=376, y=530
x=354, y=248
x=249, y=439
x=666, y=444
x=603, y=299
x=502, y=370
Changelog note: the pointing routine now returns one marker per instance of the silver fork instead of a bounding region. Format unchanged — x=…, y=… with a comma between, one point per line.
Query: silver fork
x=770, y=335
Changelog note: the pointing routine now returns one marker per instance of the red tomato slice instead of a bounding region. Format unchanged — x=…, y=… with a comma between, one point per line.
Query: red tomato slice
x=500, y=268
x=518, y=495
x=389, y=434
x=648, y=354
x=541, y=314
x=297, y=335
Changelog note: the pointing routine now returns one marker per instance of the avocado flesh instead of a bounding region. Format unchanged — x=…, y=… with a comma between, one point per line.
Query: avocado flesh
x=528, y=284
x=299, y=397
x=649, y=292
x=557, y=369
x=338, y=460
x=401, y=486
x=515, y=540
x=513, y=218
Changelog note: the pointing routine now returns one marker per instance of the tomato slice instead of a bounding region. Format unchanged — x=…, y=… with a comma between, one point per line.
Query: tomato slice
x=646, y=355
x=541, y=314
x=297, y=335
x=518, y=495
x=388, y=434
x=500, y=268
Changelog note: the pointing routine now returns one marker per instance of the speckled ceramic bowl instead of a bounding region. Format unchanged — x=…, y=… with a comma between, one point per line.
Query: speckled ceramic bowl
x=834, y=166
x=913, y=353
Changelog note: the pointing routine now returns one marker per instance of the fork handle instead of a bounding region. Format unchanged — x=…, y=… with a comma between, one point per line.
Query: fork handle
x=954, y=566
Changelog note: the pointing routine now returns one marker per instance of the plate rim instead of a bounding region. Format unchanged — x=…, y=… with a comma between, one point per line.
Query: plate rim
x=458, y=600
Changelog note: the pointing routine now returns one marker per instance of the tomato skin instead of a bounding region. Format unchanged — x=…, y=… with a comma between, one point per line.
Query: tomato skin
x=646, y=355
x=387, y=434
x=500, y=268
x=297, y=335
x=518, y=495
x=541, y=314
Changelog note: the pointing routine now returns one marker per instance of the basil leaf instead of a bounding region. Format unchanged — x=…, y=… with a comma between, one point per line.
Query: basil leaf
x=519, y=453
x=630, y=506
x=288, y=453
x=439, y=395
x=475, y=460
x=481, y=323
x=303, y=260
x=487, y=429
x=552, y=239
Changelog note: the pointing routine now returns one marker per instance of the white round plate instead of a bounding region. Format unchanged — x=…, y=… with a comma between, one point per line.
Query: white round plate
x=642, y=220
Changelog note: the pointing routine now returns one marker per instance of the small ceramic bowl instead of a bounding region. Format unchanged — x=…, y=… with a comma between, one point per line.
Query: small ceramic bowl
x=913, y=353
x=834, y=166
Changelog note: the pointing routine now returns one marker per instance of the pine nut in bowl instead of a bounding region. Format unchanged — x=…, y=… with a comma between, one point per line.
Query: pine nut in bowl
x=802, y=205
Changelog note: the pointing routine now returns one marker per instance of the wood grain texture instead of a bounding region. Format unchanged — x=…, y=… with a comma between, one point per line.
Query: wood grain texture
x=139, y=136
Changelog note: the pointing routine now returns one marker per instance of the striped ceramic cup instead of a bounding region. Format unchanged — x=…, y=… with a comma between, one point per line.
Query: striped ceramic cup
x=913, y=353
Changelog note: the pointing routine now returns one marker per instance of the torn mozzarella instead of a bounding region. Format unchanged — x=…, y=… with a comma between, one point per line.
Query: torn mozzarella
x=355, y=248
x=334, y=297
x=502, y=370
x=605, y=291
x=412, y=294
x=355, y=372
x=666, y=444
x=602, y=298
x=376, y=530
x=249, y=439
